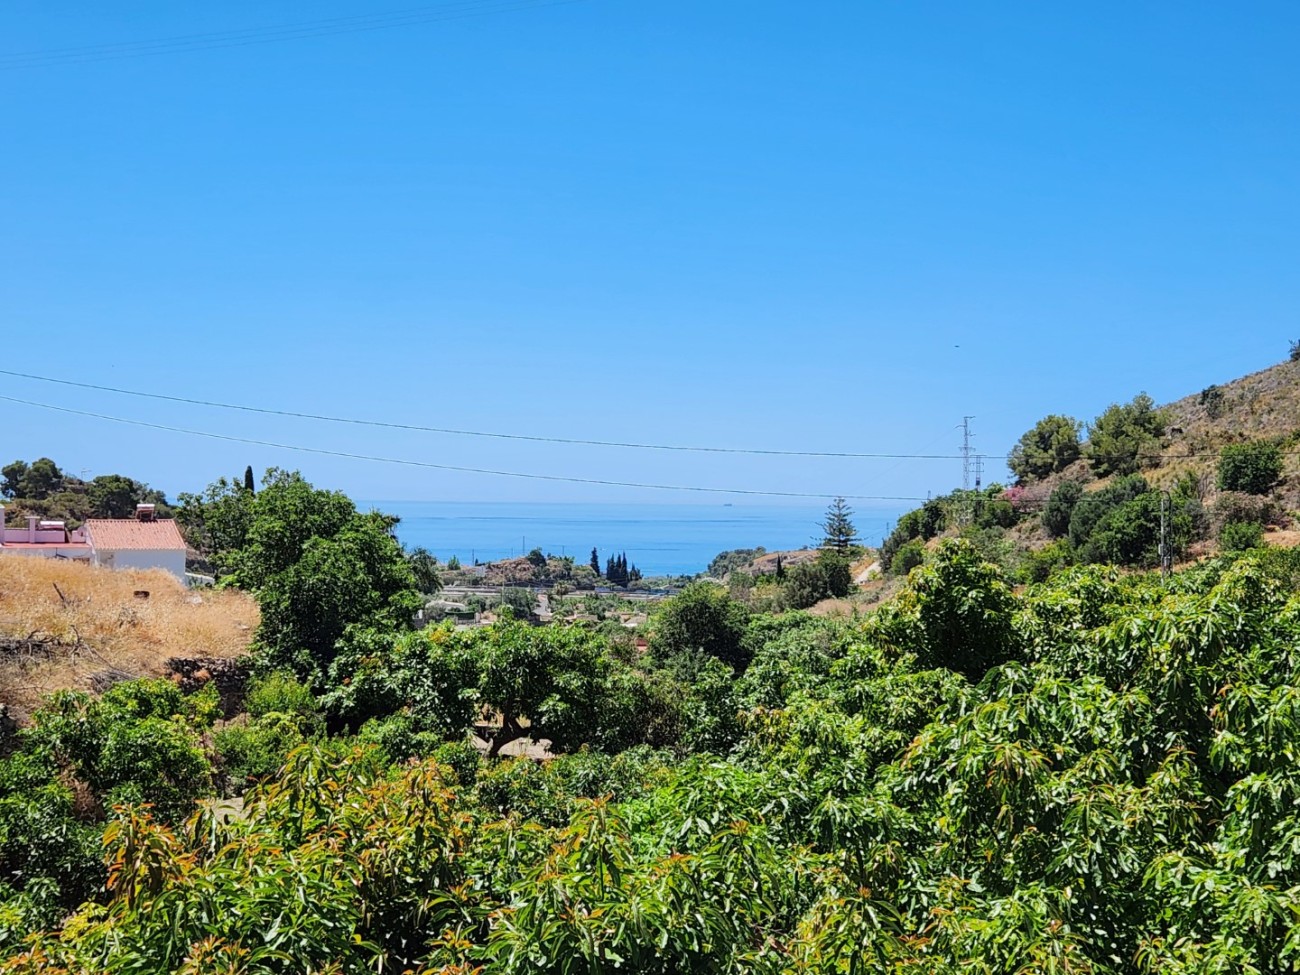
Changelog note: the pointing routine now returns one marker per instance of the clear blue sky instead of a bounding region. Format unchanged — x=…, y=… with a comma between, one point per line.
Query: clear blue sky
x=833, y=226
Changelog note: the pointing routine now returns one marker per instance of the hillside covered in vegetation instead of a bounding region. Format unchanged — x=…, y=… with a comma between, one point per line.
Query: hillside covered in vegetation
x=1221, y=468
x=43, y=489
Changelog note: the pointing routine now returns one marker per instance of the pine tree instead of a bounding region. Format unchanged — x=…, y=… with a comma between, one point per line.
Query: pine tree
x=595, y=562
x=838, y=530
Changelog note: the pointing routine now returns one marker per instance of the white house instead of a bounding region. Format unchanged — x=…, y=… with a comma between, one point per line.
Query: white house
x=44, y=539
x=142, y=542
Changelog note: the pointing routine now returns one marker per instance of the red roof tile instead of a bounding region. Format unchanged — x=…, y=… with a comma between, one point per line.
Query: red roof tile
x=122, y=533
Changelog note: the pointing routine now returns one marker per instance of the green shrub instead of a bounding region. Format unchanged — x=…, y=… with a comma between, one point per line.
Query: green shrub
x=1128, y=534
x=725, y=562
x=1039, y=564
x=956, y=612
x=1060, y=507
x=400, y=736
x=1230, y=506
x=1240, y=536
x=806, y=585
x=255, y=750
x=1091, y=509
x=280, y=692
x=995, y=513
x=50, y=854
x=1252, y=468
x=908, y=557
x=702, y=617
x=1212, y=399
x=462, y=757
x=138, y=743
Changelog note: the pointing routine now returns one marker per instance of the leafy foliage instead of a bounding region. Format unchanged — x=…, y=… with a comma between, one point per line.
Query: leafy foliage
x=1120, y=524
x=725, y=562
x=42, y=489
x=1252, y=467
x=1122, y=439
x=1051, y=446
x=315, y=564
x=1212, y=398
x=907, y=557
x=36, y=481
x=1238, y=536
x=955, y=613
x=829, y=576
x=1060, y=508
x=704, y=618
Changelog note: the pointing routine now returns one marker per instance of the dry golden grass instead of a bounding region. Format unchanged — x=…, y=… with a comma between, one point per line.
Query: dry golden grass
x=98, y=624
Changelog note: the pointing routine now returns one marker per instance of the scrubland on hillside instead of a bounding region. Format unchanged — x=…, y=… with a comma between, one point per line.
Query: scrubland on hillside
x=62, y=623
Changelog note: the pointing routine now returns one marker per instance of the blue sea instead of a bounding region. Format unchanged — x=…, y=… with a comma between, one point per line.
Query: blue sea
x=660, y=539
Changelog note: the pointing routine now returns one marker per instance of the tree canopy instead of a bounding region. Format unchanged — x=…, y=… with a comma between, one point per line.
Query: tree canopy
x=1252, y=467
x=1125, y=436
x=1051, y=446
x=315, y=564
x=837, y=528
x=702, y=617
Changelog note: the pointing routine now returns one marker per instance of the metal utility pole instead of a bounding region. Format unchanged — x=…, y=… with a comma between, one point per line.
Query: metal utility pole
x=979, y=470
x=1166, y=554
x=965, y=452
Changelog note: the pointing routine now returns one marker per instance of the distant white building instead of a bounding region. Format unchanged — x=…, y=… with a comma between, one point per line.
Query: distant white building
x=44, y=539
x=142, y=542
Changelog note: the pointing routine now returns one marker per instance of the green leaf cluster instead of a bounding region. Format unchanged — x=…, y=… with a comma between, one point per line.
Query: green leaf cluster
x=1125, y=437
x=1051, y=446
x=1252, y=467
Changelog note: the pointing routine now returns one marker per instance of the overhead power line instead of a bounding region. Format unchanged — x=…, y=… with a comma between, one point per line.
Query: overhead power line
x=450, y=467
x=266, y=411
x=184, y=43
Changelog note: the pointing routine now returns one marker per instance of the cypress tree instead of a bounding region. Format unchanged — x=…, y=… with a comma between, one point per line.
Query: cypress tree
x=249, y=484
x=595, y=562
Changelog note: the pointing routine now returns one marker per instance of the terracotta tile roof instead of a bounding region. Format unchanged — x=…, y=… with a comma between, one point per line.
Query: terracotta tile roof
x=122, y=533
